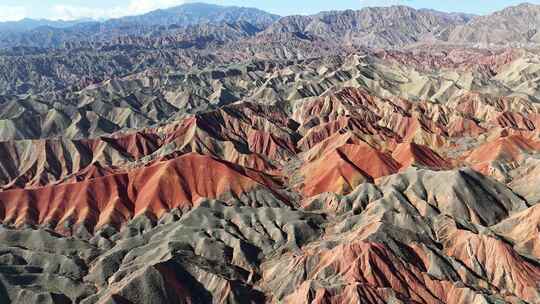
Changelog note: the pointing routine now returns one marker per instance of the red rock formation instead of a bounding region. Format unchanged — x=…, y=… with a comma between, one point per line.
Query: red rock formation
x=371, y=273
x=523, y=229
x=508, y=149
x=500, y=264
x=461, y=127
x=408, y=154
x=343, y=169
x=114, y=199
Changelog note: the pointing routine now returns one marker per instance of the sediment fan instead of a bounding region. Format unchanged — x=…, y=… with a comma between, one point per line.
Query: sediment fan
x=232, y=156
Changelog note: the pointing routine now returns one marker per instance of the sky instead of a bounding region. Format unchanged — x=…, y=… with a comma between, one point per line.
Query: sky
x=11, y=10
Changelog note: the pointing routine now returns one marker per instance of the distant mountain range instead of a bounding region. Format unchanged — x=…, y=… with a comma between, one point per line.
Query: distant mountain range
x=181, y=16
x=373, y=27
x=517, y=24
x=28, y=24
x=401, y=25
x=58, y=34
x=196, y=35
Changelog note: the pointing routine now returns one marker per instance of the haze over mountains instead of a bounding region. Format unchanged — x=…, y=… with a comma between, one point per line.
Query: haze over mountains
x=372, y=26
x=208, y=154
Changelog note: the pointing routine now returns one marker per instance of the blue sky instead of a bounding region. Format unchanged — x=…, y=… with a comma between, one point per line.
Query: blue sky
x=75, y=9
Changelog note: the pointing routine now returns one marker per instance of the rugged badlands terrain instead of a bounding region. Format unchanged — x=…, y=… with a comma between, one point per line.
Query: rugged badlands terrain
x=208, y=173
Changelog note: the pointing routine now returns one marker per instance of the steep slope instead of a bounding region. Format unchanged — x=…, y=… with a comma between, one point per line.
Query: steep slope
x=399, y=241
x=383, y=247
x=341, y=170
x=514, y=25
x=408, y=154
x=114, y=199
x=381, y=26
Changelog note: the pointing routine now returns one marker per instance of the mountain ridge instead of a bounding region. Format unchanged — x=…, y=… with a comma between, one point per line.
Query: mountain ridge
x=363, y=27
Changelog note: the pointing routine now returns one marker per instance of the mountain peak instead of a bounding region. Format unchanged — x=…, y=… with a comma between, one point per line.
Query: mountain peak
x=198, y=12
x=526, y=7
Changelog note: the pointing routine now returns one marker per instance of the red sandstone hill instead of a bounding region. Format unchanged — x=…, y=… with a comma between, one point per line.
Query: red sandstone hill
x=344, y=168
x=115, y=199
x=408, y=154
